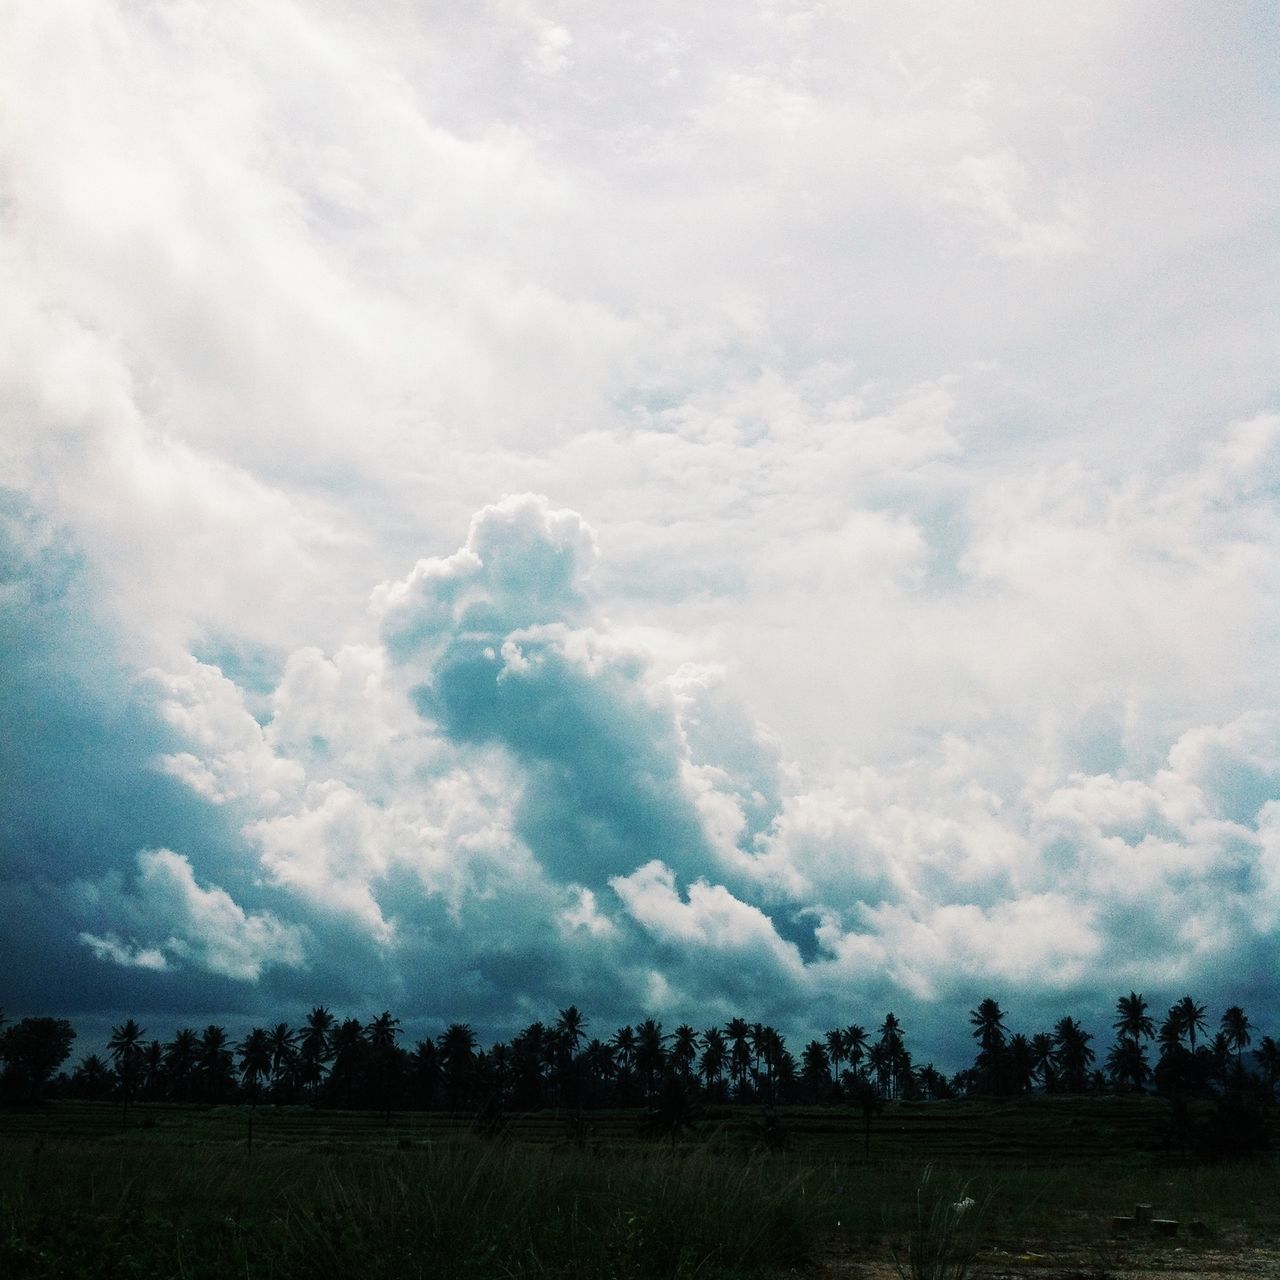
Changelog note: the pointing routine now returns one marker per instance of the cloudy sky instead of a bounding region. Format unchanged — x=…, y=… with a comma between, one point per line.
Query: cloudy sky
x=762, y=508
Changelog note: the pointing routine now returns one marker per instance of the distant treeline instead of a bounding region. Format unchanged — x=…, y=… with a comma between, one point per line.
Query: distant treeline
x=348, y=1063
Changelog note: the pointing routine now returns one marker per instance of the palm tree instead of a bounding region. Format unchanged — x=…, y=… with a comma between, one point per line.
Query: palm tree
x=314, y=1047
x=987, y=1021
x=1189, y=1018
x=598, y=1061
x=349, y=1046
x=1132, y=1019
x=214, y=1063
x=571, y=1026
x=651, y=1054
x=1235, y=1026
x=381, y=1034
x=1021, y=1059
x=715, y=1053
x=624, y=1049
x=125, y=1047
x=255, y=1061
x=152, y=1070
x=1072, y=1053
x=284, y=1053
x=1044, y=1055
x=855, y=1044
x=1267, y=1056
x=684, y=1052
x=1127, y=1061
x=816, y=1070
x=180, y=1057
x=255, y=1064
x=92, y=1079
x=834, y=1040
x=457, y=1050
x=738, y=1033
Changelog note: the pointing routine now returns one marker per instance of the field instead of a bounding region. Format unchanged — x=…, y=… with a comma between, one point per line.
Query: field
x=180, y=1192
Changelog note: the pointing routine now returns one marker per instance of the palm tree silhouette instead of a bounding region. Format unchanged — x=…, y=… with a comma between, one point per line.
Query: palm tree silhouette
x=381, y=1034
x=125, y=1047
x=1072, y=1053
x=715, y=1054
x=651, y=1054
x=457, y=1051
x=284, y=1052
x=738, y=1033
x=181, y=1055
x=255, y=1066
x=1044, y=1057
x=855, y=1045
x=214, y=1063
x=1236, y=1028
x=1189, y=1017
x=1267, y=1056
x=314, y=1047
x=1127, y=1061
x=987, y=1021
x=684, y=1052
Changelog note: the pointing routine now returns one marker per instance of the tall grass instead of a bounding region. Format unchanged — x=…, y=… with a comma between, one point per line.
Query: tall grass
x=443, y=1210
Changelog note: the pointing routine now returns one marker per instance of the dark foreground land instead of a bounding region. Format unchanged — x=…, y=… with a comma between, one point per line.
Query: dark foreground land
x=178, y=1191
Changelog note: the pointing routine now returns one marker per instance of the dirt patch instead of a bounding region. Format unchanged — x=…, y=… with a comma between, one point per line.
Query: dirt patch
x=1217, y=1259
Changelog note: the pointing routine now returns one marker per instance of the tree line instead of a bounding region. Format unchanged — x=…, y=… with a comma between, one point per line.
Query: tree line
x=350, y=1064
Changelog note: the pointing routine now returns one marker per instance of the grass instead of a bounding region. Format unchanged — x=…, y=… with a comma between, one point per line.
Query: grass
x=342, y=1194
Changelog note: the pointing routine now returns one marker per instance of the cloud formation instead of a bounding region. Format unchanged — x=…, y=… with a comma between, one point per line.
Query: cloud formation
x=897, y=624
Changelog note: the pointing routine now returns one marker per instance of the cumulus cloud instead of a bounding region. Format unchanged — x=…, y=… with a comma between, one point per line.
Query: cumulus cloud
x=191, y=924
x=868, y=647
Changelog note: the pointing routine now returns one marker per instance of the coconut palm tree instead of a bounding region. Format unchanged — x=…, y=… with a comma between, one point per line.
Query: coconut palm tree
x=572, y=1027
x=1044, y=1055
x=684, y=1052
x=181, y=1055
x=315, y=1047
x=284, y=1055
x=834, y=1041
x=255, y=1061
x=623, y=1044
x=738, y=1033
x=987, y=1021
x=93, y=1079
x=1132, y=1018
x=381, y=1034
x=651, y=1054
x=1235, y=1026
x=1127, y=1061
x=1189, y=1017
x=255, y=1066
x=1267, y=1056
x=816, y=1071
x=214, y=1064
x=125, y=1047
x=1072, y=1053
x=855, y=1045
x=457, y=1046
x=715, y=1054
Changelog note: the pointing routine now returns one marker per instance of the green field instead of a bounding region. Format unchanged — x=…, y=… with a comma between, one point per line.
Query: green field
x=180, y=1193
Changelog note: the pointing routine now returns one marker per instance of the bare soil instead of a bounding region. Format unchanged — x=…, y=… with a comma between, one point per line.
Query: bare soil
x=1223, y=1257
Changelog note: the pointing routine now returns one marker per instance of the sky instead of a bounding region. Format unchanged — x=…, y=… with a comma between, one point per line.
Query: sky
x=760, y=509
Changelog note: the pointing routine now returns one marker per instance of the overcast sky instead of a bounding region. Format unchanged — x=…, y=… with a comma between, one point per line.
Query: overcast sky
x=689, y=509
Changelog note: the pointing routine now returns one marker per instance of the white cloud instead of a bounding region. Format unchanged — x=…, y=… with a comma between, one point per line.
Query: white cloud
x=901, y=385
x=191, y=925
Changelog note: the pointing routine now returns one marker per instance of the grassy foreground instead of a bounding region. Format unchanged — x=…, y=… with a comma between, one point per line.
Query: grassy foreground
x=333, y=1195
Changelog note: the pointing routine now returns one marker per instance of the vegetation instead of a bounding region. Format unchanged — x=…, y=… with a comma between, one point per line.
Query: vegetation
x=353, y=1064
x=334, y=1149
x=334, y=1193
